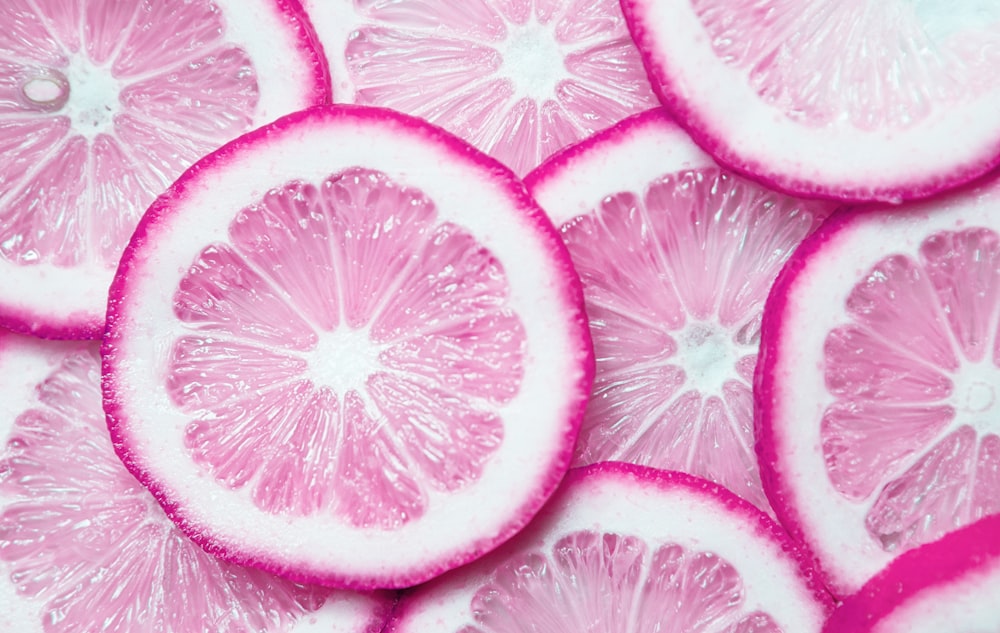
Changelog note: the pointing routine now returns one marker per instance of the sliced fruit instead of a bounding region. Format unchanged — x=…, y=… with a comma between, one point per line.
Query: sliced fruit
x=102, y=105
x=949, y=585
x=878, y=381
x=518, y=79
x=347, y=348
x=85, y=549
x=626, y=548
x=863, y=101
x=676, y=256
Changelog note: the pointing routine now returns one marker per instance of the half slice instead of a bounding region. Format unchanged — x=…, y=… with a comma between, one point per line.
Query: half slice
x=949, y=585
x=870, y=100
x=518, y=79
x=347, y=348
x=627, y=548
x=85, y=549
x=677, y=256
x=879, y=381
x=103, y=104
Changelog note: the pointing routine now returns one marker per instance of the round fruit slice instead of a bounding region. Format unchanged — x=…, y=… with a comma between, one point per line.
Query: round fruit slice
x=102, y=104
x=877, y=100
x=949, y=585
x=85, y=549
x=627, y=548
x=347, y=348
x=677, y=257
x=518, y=79
x=878, y=381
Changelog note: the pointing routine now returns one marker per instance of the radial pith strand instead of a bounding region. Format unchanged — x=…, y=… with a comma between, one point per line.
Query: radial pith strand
x=97, y=117
x=519, y=79
x=362, y=324
x=914, y=427
x=79, y=535
x=675, y=281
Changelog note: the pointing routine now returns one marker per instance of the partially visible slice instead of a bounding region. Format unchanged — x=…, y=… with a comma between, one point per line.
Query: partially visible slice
x=519, y=79
x=85, y=549
x=879, y=381
x=949, y=585
x=103, y=103
x=347, y=348
x=627, y=548
x=870, y=100
x=676, y=256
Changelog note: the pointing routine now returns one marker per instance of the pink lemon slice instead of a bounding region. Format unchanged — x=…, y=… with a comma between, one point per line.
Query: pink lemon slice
x=84, y=548
x=949, y=585
x=879, y=380
x=627, y=548
x=347, y=348
x=519, y=79
x=676, y=256
x=864, y=100
x=103, y=103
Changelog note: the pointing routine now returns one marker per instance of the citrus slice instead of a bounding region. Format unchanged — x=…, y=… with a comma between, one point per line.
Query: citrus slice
x=626, y=548
x=85, y=549
x=676, y=256
x=949, y=585
x=347, y=348
x=519, y=79
x=878, y=381
x=102, y=105
x=873, y=100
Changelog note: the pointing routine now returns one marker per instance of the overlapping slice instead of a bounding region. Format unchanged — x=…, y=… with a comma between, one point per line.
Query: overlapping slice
x=347, y=348
x=677, y=256
x=627, y=548
x=876, y=99
x=879, y=380
x=85, y=549
x=948, y=585
x=518, y=79
x=102, y=105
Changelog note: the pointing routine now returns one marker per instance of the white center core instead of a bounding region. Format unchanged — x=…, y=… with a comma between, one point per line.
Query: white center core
x=93, y=97
x=344, y=359
x=708, y=355
x=527, y=61
x=975, y=397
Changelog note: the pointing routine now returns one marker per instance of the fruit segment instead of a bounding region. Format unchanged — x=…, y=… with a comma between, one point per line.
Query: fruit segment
x=676, y=256
x=102, y=105
x=518, y=79
x=384, y=333
x=902, y=400
x=85, y=548
x=627, y=548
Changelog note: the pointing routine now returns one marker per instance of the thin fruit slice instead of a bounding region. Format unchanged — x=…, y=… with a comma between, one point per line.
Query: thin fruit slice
x=85, y=549
x=676, y=256
x=102, y=104
x=519, y=79
x=626, y=548
x=347, y=348
x=872, y=100
x=878, y=381
x=949, y=585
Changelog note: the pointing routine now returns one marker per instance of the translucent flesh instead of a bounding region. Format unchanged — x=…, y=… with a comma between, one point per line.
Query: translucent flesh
x=81, y=168
x=443, y=60
x=83, y=538
x=674, y=281
x=345, y=320
x=913, y=429
x=608, y=582
x=879, y=63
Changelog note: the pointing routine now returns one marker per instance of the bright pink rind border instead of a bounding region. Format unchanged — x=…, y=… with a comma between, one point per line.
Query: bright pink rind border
x=743, y=512
x=944, y=561
x=701, y=131
x=133, y=258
